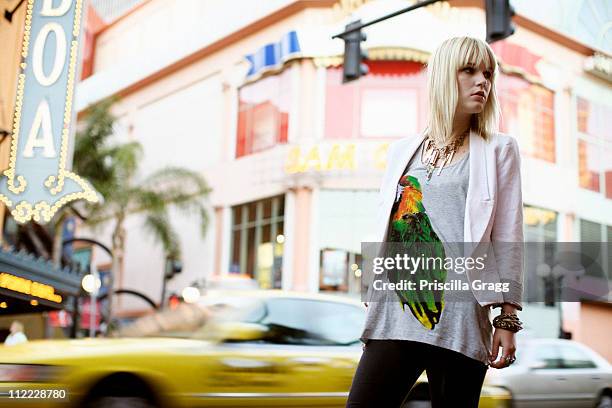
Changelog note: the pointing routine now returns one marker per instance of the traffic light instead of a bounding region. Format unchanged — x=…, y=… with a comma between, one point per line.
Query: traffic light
x=499, y=20
x=173, y=267
x=174, y=301
x=353, y=54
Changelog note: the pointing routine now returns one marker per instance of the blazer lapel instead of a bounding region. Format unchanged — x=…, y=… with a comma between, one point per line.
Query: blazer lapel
x=405, y=154
x=479, y=204
x=399, y=160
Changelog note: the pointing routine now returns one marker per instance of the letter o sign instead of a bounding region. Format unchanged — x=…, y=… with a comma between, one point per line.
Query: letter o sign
x=39, y=50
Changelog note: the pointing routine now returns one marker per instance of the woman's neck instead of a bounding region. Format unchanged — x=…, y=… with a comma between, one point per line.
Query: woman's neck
x=461, y=124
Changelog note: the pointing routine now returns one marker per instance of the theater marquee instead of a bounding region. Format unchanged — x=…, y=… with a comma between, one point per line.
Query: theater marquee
x=38, y=181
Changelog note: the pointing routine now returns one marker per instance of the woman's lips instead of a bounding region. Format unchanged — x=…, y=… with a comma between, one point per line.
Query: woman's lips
x=479, y=97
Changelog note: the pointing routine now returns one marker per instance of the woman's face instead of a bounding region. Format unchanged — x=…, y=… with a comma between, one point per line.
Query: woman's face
x=474, y=86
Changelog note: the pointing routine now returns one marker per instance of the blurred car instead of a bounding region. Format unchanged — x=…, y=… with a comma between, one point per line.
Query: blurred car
x=255, y=348
x=231, y=282
x=556, y=373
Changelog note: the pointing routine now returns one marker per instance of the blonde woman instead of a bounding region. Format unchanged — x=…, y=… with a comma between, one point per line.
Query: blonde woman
x=457, y=182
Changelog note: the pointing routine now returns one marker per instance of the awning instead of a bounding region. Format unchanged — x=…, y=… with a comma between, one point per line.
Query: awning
x=30, y=284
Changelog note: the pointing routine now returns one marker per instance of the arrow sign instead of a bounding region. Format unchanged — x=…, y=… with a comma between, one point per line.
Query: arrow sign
x=38, y=182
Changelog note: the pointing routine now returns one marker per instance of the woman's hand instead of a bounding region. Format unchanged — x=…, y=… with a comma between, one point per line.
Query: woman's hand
x=506, y=340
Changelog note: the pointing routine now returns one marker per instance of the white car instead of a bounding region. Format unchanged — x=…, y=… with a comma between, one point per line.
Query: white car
x=556, y=373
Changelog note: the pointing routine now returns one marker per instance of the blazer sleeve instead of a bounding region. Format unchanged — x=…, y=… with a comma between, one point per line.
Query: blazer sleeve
x=507, y=230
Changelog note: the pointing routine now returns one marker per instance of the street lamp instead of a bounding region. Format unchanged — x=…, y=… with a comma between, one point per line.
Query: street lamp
x=172, y=267
x=104, y=316
x=553, y=281
x=190, y=294
x=91, y=283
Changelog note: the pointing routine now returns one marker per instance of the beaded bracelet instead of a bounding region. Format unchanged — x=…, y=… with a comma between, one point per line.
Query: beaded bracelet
x=508, y=321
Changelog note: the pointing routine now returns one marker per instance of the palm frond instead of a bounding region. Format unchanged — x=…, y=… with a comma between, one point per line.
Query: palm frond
x=159, y=226
x=145, y=200
x=124, y=158
x=177, y=179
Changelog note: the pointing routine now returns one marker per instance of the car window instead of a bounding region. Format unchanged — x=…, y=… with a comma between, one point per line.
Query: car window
x=549, y=355
x=573, y=357
x=311, y=322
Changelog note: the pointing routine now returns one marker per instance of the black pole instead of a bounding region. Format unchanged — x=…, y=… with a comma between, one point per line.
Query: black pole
x=89, y=240
x=8, y=15
x=559, y=292
x=75, y=317
x=388, y=16
x=134, y=293
x=162, y=302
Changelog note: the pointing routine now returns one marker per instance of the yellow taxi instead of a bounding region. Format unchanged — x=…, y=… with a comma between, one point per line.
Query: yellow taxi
x=235, y=349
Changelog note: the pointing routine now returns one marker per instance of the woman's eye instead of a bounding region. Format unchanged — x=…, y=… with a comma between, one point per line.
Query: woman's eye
x=487, y=74
x=469, y=70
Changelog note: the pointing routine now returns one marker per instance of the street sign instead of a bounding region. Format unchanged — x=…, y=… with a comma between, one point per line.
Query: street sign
x=38, y=181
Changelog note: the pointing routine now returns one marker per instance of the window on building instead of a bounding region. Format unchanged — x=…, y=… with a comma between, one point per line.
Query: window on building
x=340, y=270
x=597, y=257
x=540, y=225
x=263, y=113
x=388, y=102
x=528, y=114
x=257, y=241
x=594, y=146
x=590, y=231
x=345, y=221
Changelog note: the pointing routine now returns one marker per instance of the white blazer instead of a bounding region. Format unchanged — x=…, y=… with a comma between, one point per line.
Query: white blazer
x=493, y=212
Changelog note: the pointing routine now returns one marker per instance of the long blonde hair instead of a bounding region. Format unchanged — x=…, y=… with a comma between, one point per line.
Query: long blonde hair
x=444, y=64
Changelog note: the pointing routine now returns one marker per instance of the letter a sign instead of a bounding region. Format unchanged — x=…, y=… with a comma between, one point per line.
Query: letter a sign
x=38, y=182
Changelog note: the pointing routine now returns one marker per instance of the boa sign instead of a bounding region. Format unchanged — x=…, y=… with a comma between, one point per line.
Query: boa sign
x=38, y=182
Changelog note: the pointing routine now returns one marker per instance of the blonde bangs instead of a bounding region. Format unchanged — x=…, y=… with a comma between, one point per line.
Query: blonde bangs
x=474, y=53
x=444, y=63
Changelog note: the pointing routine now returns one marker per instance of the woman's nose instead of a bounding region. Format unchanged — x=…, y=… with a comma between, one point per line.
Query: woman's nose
x=480, y=79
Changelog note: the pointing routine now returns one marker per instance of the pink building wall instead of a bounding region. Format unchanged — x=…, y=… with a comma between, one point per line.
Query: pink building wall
x=595, y=327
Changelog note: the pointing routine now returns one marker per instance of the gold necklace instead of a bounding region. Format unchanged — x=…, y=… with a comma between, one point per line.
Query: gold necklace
x=444, y=153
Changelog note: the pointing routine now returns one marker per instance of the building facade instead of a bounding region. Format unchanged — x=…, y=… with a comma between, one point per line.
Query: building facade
x=255, y=102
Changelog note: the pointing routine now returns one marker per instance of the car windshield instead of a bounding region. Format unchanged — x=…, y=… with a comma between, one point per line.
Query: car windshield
x=278, y=320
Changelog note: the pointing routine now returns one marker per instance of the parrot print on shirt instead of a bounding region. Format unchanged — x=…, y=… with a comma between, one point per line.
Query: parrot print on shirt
x=411, y=226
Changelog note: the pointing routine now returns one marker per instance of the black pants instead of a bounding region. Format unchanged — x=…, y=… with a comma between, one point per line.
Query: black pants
x=389, y=368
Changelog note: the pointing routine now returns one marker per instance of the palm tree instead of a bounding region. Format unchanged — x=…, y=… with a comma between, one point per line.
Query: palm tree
x=91, y=160
x=112, y=169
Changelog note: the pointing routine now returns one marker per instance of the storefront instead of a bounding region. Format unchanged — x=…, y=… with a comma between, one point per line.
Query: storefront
x=29, y=285
x=257, y=241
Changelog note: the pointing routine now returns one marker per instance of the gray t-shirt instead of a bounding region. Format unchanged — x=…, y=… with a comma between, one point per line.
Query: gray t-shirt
x=464, y=326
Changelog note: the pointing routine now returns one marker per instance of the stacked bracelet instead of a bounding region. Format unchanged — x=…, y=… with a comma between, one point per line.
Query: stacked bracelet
x=508, y=321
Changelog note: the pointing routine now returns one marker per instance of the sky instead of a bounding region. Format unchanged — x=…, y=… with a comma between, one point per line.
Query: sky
x=589, y=21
